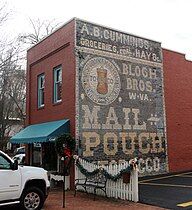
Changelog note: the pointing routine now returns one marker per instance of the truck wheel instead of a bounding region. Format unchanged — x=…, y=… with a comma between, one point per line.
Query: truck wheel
x=32, y=199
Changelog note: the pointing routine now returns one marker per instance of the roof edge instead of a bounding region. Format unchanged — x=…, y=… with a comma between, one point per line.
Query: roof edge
x=120, y=31
x=66, y=23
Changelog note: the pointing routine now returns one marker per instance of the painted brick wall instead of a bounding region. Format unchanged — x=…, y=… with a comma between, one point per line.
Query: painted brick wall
x=120, y=98
x=57, y=49
x=178, y=100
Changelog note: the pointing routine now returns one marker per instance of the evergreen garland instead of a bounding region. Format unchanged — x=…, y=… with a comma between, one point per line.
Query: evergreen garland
x=106, y=174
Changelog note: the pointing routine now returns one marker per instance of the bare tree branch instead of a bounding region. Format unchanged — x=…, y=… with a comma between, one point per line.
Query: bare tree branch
x=12, y=83
x=3, y=14
x=40, y=29
x=12, y=75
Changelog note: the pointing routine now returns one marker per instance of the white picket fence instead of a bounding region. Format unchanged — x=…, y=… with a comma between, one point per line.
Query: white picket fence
x=116, y=189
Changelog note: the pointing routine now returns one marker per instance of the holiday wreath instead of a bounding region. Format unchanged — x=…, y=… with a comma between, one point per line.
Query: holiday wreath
x=65, y=147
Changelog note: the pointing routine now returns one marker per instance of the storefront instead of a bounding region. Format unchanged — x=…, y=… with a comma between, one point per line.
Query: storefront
x=39, y=140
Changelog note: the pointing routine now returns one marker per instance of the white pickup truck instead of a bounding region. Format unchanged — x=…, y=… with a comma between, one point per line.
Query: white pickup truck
x=24, y=185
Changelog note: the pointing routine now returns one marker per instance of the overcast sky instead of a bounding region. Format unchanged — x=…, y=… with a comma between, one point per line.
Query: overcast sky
x=166, y=21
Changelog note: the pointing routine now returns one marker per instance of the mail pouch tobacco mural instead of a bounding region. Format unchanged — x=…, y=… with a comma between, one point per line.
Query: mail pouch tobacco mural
x=119, y=90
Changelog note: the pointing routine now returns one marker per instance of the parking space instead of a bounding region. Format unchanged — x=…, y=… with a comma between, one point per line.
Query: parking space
x=167, y=191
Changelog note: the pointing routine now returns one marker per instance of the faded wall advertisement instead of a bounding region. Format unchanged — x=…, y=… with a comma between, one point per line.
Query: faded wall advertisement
x=120, y=101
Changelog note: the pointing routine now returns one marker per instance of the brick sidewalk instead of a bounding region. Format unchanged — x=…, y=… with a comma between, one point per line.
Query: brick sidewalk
x=82, y=201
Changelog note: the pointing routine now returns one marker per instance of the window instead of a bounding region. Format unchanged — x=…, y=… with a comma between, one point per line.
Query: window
x=37, y=154
x=4, y=163
x=41, y=90
x=57, y=84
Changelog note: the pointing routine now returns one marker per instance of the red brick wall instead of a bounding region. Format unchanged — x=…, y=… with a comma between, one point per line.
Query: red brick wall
x=178, y=101
x=56, y=49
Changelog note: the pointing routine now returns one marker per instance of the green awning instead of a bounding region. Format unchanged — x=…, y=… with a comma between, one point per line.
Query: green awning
x=43, y=132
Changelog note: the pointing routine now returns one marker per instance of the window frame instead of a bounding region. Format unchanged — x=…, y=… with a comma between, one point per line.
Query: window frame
x=55, y=84
x=40, y=90
x=10, y=163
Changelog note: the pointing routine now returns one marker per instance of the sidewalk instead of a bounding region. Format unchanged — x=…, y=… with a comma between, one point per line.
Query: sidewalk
x=82, y=201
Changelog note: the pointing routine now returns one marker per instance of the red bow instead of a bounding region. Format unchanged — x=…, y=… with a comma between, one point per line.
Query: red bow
x=67, y=152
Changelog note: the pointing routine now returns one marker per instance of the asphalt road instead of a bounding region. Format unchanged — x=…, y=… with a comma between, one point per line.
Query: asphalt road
x=167, y=191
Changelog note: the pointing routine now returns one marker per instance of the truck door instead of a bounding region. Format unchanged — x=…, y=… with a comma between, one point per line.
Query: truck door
x=10, y=180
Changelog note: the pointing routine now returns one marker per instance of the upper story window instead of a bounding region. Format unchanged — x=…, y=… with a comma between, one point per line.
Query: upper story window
x=57, y=84
x=41, y=90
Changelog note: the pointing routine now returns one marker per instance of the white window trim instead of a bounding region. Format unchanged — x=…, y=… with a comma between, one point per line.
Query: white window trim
x=40, y=105
x=55, y=100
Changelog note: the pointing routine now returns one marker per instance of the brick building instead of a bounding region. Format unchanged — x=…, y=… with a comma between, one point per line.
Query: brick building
x=123, y=95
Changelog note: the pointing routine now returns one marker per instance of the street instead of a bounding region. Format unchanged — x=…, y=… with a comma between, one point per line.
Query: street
x=167, y=191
